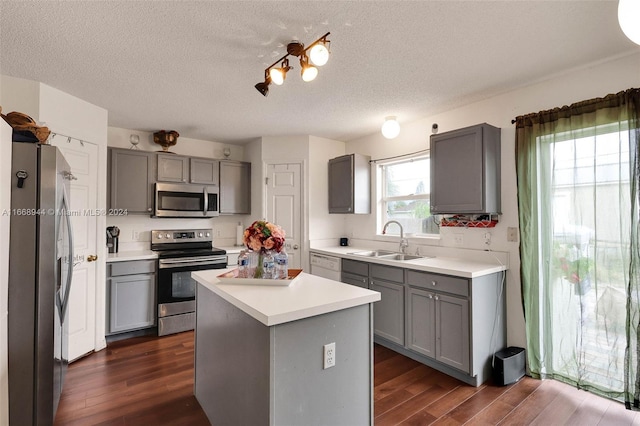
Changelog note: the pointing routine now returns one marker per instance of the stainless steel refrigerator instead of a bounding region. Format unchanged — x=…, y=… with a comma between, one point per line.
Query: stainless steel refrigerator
x=40, y=272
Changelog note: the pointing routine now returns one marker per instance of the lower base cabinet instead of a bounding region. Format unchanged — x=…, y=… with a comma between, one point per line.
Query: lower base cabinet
x=450, y=323
x=131, y=295
x=438, y=327
x=388, y=313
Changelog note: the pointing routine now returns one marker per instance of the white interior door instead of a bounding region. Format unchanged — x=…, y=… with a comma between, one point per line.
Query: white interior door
x=83, y=159
x=284, y=206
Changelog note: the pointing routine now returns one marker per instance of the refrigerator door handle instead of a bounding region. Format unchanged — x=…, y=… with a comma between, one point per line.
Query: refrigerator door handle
x=65, y=302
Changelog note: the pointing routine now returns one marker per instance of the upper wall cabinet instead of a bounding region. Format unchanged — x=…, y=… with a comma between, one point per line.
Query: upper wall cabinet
x=204, y=171
x=350, y=184
x=131, y=178
x=235, y=187
x=465, y=171
x=173, y=168
x=177, y=168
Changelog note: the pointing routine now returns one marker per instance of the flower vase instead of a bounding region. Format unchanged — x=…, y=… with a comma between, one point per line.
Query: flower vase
x=259, y=270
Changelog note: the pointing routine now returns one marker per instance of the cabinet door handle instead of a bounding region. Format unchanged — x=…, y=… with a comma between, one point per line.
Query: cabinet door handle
x=92, y=258
x=437, y=298
x=430, y=296
x=149, y=209
x=433, y=283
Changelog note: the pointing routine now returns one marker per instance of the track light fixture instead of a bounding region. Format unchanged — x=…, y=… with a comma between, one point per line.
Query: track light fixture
x=318, y=55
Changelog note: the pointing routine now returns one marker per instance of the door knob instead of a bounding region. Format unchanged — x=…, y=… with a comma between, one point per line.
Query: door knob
x=92, y=258
x=295, y=247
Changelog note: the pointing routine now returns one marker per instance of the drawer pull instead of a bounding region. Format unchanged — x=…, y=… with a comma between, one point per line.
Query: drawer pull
x=433, y=283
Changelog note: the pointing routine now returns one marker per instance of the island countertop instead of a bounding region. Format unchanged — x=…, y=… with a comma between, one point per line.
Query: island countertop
x=307, y=296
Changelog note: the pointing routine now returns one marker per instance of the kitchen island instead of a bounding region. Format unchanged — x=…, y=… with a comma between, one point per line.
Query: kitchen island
x=260, y=352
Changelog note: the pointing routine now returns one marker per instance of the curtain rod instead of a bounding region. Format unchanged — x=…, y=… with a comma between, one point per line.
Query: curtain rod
x=398, y=156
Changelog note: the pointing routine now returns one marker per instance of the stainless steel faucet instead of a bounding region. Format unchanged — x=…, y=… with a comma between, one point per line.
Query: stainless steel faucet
x=403, y=241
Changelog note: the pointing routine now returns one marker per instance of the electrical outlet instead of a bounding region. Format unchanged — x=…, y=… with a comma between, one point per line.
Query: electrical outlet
x=457, y=239
x=512, y=234
x=136, y=235
x=329, y=355
x=218, y=233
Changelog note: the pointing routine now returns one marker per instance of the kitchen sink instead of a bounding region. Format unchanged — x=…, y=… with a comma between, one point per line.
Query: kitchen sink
x=387, y=254
x=400, y=256
x=374, y=253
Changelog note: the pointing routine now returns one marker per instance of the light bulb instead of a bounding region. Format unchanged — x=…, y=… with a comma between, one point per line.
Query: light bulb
x=309, y=73
x=277, y=76
x=319, y=54
x=390, y=127
x=629, y=18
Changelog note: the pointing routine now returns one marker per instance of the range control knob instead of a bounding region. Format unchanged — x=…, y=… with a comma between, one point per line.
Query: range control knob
x=167, y=235
x=159, y=236
x=208, y=234
x=200, y=234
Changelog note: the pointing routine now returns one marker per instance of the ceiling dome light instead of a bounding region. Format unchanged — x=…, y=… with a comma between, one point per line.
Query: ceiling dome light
x=319, y=54
x=629, y=18
x=390, y=127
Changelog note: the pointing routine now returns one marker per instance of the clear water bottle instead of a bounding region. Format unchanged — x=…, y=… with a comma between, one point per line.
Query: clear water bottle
x=268, y=266
x=243, y=265
x=282, y=265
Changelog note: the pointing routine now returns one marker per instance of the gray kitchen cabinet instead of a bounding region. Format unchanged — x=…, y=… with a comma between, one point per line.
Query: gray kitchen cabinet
x=355, y=273
x=388, y=313
x=204, y=171
x=450, y=323
x=421, y=320
x=438, y=327
x=173, y=168
x=131, y=180
x=235, y=187
x=350, y=184
x=455, y=321
x=452, y=331
x=131, y=295
x=465, y=171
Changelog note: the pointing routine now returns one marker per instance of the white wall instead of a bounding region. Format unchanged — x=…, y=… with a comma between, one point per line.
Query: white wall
x=324, y=228
x=5, y=206
x=589, y=82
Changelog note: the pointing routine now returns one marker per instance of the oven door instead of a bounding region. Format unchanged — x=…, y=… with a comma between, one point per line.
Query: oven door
x=184, y=200
x=177, y=290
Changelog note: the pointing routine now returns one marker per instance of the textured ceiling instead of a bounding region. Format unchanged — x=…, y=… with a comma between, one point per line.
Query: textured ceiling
x=192, y=65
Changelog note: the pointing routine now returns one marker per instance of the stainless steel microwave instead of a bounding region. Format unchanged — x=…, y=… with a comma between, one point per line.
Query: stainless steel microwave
x=186, y=200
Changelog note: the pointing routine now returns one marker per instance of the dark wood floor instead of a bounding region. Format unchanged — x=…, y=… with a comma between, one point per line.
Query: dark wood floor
x=149, y=381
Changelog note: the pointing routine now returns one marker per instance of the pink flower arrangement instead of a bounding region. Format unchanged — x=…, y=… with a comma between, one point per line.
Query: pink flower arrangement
x=262, y=236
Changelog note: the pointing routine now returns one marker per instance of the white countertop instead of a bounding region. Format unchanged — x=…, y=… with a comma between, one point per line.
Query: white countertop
x=124, y=256
x=307, y=296
x=458, y=267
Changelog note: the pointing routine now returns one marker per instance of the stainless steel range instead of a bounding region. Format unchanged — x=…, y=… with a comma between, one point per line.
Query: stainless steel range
x=181, y=252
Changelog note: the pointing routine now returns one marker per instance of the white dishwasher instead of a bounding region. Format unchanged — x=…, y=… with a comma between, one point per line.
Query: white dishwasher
x=325, y=266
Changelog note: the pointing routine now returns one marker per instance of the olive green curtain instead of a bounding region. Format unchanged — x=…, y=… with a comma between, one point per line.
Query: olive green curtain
x=577, y=175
